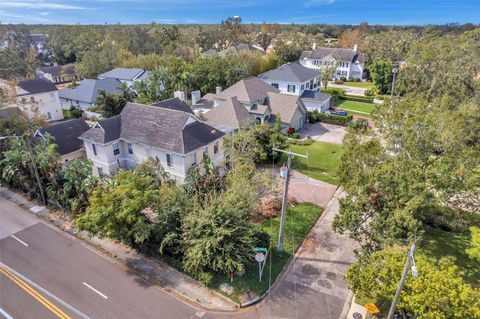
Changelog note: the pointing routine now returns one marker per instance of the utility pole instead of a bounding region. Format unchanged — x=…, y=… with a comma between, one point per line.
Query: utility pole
x=285, y=194
x=34, y=166
x=402, y=281
x=394, y=71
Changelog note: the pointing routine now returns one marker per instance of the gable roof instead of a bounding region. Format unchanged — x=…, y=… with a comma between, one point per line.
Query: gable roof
x=66, y=135
x=7, y=113
x=292, y=71
x=343, y=54
x=57, y=70
x=36, y=86
x=127, y=74
x=157, y=127
x=251, y=89
x=284, y=105
x=174, y=104
x=230, y=113
x=88, y=90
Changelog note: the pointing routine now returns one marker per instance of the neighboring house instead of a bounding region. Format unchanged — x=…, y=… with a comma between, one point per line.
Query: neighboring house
x=264, y=103
x=174, y=104
x=349, y=62
x=10, y=112
x=292, y=78
x=66, y=138
x=39, y=97
x=176, y=139
x=126, y=75
x=290, y=108
x=202, y=104
x=235, y=49
x=230, y=113
x=86, y=92
x=57, y=74
x=314, y=100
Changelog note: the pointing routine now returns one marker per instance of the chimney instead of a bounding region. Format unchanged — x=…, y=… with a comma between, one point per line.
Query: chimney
x=195, y=96
x=314, y=46
x=180, y=95
x=218, y=89
x=355, y=48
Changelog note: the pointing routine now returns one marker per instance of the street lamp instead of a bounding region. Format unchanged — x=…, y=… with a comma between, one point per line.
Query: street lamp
x=34, y=165
x=394, y=71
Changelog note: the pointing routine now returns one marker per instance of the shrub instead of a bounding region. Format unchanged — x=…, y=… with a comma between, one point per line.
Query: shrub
x=306, y=142
x=261, y=239
x=334, y=92
x=360, y=125
x=357, y=80
x=290, y=130
x=295, y=136
x=364, y=99
x=369, y=93
x=333, y=119
x=338, y=82
x=343, y=78
x=312, y=117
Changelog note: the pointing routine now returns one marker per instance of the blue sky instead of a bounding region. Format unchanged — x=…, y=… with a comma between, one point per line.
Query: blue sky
x=398, y=12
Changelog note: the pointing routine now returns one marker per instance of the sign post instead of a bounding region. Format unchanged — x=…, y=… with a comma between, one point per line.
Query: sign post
x=260, y=257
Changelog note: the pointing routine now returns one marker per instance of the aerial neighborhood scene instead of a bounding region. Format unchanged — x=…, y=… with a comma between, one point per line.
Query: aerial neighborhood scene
x=314, y=159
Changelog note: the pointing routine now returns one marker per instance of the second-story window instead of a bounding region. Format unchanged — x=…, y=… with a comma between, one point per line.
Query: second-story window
x=116, y=149
x=291, y=88
x=94, y=149
x=130, y=148
x=169, y=160
x=215, y=148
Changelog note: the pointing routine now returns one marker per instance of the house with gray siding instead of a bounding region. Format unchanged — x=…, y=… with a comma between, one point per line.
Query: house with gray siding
x=86, y=92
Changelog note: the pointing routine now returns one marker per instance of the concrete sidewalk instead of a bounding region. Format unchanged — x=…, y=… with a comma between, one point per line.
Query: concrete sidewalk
x=152, y=269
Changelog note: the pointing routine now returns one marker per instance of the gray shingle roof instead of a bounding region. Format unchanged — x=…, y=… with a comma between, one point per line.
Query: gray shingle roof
x=57, y=70
x=88, y=90
x=230, y=113
x=292, y=71
x=174, y=104
x=66, y=135
x=7, y=113
x=127, y=74
x=343, y=54
x=157, y=127
x=251, y=89
x=37, y=86
x=284, y=105
x=311, y=95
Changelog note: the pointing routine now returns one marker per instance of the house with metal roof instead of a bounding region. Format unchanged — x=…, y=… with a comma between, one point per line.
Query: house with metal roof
x=176, y=139
x=86, y=92
x=349, y=63
x=126, y=75
x=39, y=97
x=65, y=136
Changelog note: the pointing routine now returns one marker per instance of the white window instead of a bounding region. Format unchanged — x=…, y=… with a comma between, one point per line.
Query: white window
x=116, y=149
x=169, y=160
x=52, y=97
x=303, y=87
x=215, y=148
x=205, y=151
x=291, y=88
x=49, y=115
x=275, y=85
x=130, y=148
x=94, y=149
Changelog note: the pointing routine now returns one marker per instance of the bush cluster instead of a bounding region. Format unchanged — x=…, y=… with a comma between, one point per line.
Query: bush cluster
x=316, y=116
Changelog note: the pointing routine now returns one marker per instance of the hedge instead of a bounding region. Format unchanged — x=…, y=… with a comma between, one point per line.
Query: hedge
x=364, y=99
x=316, y=116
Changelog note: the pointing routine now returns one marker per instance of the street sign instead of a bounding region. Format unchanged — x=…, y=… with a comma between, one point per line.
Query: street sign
x=259, y=257
x=371, y=308
x=260, y=250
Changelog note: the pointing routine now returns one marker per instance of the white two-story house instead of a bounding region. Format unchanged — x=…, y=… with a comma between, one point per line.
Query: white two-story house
x=176, y=139
x=292, y=78
x=349, y=62
x=39, y=98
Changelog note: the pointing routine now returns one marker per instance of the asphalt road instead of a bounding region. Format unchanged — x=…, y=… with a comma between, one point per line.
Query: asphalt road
x=39, y=265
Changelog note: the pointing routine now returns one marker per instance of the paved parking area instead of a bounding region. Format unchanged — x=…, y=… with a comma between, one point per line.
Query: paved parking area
x=323, y=132
x=310, y=190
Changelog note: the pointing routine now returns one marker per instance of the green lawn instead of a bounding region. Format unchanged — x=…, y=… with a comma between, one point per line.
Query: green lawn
x=299, y=220
x=438, y=243
x=353, y=107
x=322, y=163
x=363, y=85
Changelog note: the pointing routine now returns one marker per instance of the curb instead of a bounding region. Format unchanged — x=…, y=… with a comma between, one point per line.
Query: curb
x=99, y=249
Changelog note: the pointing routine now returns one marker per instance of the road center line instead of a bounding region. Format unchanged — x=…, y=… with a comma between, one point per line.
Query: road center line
x=98, y=292
x=19, y=240
x=5, y=314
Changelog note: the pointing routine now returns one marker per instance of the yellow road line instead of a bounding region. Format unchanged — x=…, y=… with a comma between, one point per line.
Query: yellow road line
x=54, y=309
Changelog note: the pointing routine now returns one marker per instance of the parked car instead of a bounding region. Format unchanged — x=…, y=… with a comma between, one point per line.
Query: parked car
x=341, y=113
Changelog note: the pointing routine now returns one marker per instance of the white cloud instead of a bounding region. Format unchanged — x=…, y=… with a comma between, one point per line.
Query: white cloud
x=311, y=3
x=44, y=13
x=39, y=5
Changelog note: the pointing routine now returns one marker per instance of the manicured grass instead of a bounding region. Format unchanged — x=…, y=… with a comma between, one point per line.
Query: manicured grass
x=353, y=107
x=363, y=85
x=299, y=220
x=438, y=243
x=323, y=161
